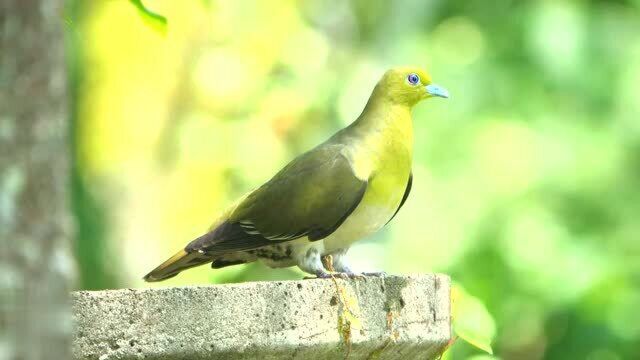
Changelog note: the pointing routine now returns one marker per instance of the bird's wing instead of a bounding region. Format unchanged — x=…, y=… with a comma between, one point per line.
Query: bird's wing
x=312, y=196
x=407, y=190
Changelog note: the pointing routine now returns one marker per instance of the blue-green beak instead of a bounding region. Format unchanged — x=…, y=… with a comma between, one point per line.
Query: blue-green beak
x=435, y=90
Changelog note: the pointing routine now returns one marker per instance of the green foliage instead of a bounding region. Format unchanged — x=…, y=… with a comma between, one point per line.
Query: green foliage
x=96, y=263
x=471, y=320
x=152, y=19
x=482, y=357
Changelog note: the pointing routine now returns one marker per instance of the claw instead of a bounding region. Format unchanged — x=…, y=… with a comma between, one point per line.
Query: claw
x=350, y=275
x=345, y=275
x=340, y=275
x=375, y=274
x=319, y=275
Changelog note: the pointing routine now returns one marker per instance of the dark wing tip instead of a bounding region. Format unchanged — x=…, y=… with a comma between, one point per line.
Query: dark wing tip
x=151, y=277
x=181, y=260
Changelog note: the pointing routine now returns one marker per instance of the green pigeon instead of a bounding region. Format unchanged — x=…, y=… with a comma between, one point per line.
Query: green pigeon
x=324, y=200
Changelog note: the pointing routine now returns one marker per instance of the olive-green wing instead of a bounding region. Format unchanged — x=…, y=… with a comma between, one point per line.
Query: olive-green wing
x=312, y=196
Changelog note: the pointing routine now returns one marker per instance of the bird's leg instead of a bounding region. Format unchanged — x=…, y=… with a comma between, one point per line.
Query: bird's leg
x=339, y=264
x=312, y=263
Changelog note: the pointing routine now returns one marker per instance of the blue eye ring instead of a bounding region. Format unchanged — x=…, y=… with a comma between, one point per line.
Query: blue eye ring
x=413, y=79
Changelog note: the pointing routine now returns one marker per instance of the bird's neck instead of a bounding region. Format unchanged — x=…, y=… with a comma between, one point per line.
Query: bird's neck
x=383, y=117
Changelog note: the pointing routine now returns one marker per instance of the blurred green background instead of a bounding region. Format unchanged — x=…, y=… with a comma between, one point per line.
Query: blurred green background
x=526, y=182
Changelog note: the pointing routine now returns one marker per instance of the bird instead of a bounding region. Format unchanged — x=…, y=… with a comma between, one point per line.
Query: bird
x=320, y=203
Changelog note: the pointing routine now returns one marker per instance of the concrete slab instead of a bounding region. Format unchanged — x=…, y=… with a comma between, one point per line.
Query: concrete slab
x=395, y=317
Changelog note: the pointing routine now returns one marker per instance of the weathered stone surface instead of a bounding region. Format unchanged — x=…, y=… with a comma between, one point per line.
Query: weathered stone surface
x=395, y=317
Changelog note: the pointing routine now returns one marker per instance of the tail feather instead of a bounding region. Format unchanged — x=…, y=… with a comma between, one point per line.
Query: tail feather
x=182, y=260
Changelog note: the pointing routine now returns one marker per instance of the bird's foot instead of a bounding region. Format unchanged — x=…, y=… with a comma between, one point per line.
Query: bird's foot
x=338, y=275
x=349, y=275
x=319, y=275
x=375, y=274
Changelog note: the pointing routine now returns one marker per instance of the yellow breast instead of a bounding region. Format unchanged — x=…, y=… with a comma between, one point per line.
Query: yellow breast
x=384, y=160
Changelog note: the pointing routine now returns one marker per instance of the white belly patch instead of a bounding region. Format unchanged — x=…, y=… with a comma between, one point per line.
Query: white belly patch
x=364, y=221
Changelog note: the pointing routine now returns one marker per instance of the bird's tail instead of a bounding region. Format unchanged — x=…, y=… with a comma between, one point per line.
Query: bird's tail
x=182, y=260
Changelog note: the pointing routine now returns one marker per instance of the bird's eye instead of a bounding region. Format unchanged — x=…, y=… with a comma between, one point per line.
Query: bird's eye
x=413, y=79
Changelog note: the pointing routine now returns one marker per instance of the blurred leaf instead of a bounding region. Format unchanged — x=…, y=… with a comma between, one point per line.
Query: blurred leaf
x=482, y=357
x=155, y=21
x=471, y=320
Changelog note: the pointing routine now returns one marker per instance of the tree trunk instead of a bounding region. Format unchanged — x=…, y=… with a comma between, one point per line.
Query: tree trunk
x=36, y=267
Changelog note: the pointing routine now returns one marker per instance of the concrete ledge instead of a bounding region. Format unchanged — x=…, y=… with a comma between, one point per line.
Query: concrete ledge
x=371, y=318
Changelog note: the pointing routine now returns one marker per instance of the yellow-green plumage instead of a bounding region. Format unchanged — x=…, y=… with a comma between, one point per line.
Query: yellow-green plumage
x=341, y=191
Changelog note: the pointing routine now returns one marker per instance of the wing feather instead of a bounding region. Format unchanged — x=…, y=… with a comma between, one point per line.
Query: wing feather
x=407, y=190
x=312, y=196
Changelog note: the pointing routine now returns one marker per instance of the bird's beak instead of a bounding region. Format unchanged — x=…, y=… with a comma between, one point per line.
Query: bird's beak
x=435, y=90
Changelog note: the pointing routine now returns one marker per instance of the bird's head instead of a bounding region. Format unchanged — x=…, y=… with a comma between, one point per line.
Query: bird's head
x=408, y=85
